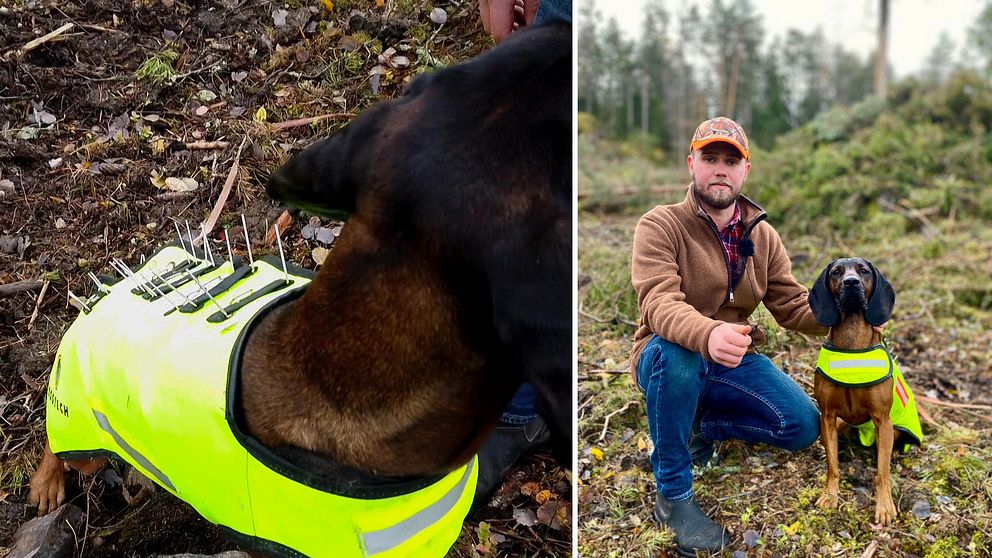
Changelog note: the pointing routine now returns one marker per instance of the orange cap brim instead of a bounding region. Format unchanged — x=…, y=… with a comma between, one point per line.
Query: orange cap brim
x=699, y=144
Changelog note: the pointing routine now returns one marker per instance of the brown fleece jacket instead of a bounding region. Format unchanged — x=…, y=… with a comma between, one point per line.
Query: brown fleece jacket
x=681, y=276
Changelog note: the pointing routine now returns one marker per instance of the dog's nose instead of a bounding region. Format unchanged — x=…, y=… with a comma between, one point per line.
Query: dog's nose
x=851, y=281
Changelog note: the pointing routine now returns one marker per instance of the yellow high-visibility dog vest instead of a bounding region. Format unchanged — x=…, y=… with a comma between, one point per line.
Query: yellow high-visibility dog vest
x=150, y=375
x=867, y=367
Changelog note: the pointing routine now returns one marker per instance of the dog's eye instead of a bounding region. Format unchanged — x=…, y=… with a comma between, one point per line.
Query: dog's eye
x=863, y=270
x=836, y=271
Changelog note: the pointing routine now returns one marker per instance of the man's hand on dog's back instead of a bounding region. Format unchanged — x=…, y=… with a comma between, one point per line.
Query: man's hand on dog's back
x=728, y=343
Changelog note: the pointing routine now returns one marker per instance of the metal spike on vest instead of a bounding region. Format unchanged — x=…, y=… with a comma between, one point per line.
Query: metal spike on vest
x=867, y=367
x=154, y=384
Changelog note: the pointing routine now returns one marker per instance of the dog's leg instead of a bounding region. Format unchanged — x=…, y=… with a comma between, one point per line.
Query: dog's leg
x=47, y=487
x=828, y=437
x=885, y=510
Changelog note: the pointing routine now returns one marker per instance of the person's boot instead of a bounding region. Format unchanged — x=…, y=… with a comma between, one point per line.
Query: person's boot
x=507, y=444
x=693, y=530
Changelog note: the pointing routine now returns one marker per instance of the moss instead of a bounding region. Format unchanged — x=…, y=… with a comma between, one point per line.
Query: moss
x=946, y=547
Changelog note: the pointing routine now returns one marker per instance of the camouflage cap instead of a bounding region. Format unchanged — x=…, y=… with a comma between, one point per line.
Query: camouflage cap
x=722, y=129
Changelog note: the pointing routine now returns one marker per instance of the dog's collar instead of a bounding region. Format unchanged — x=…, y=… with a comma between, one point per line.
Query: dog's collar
x=854, y=367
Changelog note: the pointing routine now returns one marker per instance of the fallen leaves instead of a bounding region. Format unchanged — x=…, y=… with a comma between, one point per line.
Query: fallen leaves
x=173, y=183
x=319, y=254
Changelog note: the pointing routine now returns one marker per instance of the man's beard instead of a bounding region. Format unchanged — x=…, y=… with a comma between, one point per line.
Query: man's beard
x=716, y=202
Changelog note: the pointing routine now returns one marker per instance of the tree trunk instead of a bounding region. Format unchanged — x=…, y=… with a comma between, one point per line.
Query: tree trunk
x=880, y=56
x=732, y=86
x=630, y=108
x=645, y=104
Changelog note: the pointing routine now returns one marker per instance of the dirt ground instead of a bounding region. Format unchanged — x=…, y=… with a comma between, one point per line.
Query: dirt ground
x=765, y=496
x=128, y=123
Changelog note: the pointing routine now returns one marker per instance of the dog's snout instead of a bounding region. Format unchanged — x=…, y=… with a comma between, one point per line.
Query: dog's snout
x=852, y=281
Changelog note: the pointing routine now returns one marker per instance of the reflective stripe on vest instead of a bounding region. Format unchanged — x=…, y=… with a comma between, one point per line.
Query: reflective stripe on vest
x=867, y=367
x=137, y=377
x=855, y=368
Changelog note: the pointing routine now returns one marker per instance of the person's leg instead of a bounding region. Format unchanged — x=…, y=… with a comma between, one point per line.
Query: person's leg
x=520, y=431
x=673, y=378
x=523, y=406
x=757, y=402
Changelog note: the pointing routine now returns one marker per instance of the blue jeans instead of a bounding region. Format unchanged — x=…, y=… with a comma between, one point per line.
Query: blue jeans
x=523, y=406
x=755, y=402
x=553, y=10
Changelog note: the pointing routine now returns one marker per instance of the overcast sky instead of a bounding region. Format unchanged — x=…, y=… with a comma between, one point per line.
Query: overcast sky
x=914, y=25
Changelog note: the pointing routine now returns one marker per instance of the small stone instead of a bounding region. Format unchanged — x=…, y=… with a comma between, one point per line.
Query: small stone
x=943, y=500
x=921, y=509
x=51, y=535
x=307, y=231
x=439, y=16
x=751, y=538
x=60, y=223
x=740, y=554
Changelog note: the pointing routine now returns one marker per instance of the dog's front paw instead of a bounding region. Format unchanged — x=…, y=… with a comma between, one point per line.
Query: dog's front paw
x=828, y=500
x=885, y=510
x=47, y=488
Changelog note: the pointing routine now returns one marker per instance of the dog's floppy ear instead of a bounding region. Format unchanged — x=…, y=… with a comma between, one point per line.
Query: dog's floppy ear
x=821, y=302
x=317, y=179
x=883, y=299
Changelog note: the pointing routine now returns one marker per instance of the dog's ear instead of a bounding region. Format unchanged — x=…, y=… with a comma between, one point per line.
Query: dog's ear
x=882, y=301
x=822, y=302
x=317, y=179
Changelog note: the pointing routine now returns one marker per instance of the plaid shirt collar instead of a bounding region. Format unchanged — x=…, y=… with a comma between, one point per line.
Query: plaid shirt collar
x=730, y=236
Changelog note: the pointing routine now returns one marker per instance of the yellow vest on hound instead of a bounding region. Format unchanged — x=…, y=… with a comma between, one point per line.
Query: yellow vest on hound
x=139, y=377
x=867, y=367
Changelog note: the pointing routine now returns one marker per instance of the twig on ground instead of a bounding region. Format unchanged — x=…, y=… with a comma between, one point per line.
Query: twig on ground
x=842, y=245
x=933, y=401
x=606, y=423
x=925, y=415
x=20, y=286
x=37, y=305
x=304, y=121
x=201, y=144
x=33, y=44
x=226, y=191
x=596, y=319
x=911, y=213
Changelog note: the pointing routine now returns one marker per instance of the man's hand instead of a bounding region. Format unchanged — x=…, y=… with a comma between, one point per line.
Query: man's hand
x=728, y=343
x=502, y=17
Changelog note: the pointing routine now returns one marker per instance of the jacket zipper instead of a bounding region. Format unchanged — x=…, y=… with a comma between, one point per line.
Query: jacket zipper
x=726, y=259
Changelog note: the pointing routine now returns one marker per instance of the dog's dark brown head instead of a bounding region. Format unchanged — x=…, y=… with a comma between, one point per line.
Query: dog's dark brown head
x=460, y=194
x=851, y=286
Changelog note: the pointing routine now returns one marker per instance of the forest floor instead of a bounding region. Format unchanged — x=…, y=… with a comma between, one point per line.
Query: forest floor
x=940, y=334
x=128, y=123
